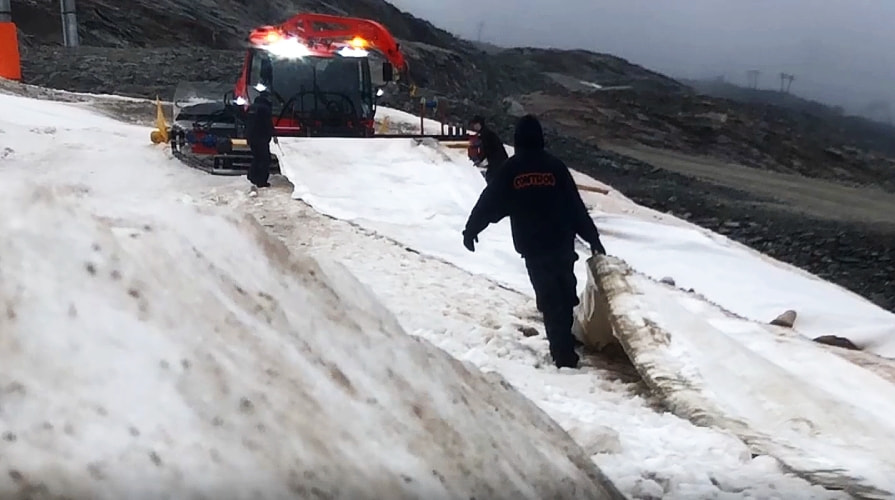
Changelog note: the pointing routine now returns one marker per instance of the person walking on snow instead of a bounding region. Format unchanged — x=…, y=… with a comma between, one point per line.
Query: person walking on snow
x=259, y=132
x=536, y=190
x=490, y=148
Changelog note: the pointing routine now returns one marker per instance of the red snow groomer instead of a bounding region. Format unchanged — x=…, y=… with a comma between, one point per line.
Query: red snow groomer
x=324, y=74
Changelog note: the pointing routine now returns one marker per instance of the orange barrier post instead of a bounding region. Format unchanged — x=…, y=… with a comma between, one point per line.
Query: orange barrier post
x=10, y=62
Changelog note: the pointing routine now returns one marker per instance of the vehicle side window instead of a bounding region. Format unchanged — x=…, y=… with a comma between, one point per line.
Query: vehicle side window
x=254, y=75
x=366, y=88
x=261, y=72
x=361, y=77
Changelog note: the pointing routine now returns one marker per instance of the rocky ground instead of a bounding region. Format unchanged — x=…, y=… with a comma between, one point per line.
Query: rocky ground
x=762, y=137
x=860, y=257
x=856, y=252
x=589, y=103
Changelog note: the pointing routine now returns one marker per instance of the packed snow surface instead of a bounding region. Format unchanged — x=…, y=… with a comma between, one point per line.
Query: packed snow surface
x=421, y=196
x=438, y=291
x=831, y=420
x=152, y=349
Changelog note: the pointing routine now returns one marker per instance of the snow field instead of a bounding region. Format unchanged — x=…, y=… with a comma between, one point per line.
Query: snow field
x=648, y=454
x=422, y=195
x=822, y=415
x=149, y=349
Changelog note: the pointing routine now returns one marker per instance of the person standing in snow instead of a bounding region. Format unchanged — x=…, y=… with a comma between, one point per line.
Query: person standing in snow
x=489, y=148
x=259, y=132
x=537, y=191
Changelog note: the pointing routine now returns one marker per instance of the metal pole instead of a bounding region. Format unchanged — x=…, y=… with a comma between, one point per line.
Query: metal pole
x=69, y=23
x=5, y=11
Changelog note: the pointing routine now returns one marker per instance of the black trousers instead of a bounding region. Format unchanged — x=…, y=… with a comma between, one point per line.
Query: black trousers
x=259, y=170
x=554, y=283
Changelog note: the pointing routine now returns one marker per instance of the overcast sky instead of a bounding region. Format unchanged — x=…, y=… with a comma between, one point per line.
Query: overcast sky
x=839, y=50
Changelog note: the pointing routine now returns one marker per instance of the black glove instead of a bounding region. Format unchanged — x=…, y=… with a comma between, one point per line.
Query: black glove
x=469, y=241
x=597, y=248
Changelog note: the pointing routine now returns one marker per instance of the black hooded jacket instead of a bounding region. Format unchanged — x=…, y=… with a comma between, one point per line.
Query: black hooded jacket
x=259, y=121
x=492, y=146
x=537, y=191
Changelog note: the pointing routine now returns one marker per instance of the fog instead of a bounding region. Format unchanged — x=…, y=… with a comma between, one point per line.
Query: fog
x=840, y=51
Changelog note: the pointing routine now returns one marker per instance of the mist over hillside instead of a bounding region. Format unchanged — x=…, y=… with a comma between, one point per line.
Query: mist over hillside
x=839, y=52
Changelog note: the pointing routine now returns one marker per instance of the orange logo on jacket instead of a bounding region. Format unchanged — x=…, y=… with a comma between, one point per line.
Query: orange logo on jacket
x=535, y=179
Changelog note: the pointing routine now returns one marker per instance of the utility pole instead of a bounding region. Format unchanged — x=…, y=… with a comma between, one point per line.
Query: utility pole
x=69, y=23
x=785, y=82
x=5, y=11
x=480, y=28
x=878, y=110
x=752, y=76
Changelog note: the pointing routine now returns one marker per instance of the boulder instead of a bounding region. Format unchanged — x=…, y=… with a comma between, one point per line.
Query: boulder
x=837, y=341
x=668, y=280
x=786, y=320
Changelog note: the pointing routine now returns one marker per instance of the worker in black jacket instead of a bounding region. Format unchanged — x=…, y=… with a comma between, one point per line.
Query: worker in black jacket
x=537, y=191
x=259, y=131
x=490, y=148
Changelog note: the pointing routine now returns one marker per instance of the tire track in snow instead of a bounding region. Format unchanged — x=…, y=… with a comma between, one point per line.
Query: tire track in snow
x=477, y=321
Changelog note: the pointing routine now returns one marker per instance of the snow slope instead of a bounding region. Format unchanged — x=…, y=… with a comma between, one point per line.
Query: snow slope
x=150, y=349
x=374, y=183
x=421, y=196
x=92, y=155
x=831, y=419
x=647, y=453
x=650, y=454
